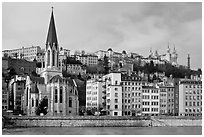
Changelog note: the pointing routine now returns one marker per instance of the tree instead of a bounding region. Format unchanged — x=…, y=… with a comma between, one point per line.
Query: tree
x=106, y=67
x=5, y=55
x=42, y=107
x=38, y=64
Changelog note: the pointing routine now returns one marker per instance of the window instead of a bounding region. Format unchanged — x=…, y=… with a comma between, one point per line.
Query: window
x=116, y=106
x=116, y=100
x=56, y=95
x=53, y=58
x=116, y=94
x=70, y=102
x=36, y=103
x=116, y=89
x=48, y=58
x=115, y=113
x=61, y=94
x=32, y=104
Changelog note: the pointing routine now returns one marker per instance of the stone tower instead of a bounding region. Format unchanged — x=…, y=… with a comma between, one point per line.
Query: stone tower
x=51, y=52
x=174, y=57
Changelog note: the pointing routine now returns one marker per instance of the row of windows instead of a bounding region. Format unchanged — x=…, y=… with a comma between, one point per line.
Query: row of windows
x=131, y=83
x=129, y=95
x=193, y=98
x=129, y=101
x=133, y=106
x=194, y=92
x=193, y=104
x=129, y=88
x=194, y=86
x=193, y=109
x=148, y=109
x=56, y=95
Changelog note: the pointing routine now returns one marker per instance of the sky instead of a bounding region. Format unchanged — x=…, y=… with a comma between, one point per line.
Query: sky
x=133, y=27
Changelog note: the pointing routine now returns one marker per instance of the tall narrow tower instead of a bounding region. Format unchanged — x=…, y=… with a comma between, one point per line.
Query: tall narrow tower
x=51, y=52
x=52, y=48
x=188, y=61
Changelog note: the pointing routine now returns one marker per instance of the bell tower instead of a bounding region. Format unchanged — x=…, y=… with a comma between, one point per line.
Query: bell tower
x=51, y=52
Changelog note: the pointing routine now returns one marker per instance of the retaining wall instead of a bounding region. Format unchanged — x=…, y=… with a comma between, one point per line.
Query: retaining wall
x=99, y=122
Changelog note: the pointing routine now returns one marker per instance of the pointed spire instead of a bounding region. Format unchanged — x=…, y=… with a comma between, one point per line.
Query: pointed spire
x=52, y=35
x=168, y=49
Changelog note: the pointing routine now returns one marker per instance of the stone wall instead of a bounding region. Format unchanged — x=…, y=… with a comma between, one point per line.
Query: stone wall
x=99, y=122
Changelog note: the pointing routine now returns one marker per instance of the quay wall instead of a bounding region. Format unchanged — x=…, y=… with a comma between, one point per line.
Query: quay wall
x=98, y=122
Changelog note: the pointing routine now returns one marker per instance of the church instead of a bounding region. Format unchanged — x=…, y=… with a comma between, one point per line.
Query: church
x=59, y=94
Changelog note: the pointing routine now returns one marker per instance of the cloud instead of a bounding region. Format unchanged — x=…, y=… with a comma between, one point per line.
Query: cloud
x=134, y=27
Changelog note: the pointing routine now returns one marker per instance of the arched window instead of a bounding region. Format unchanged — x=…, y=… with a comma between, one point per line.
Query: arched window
x=32, y=104
x=36, y=103
x=55, y=95
x=61, y=89
x=70, y=102
x=53, y=58
x=48, y=58
x=57, y=60
x=27, y=97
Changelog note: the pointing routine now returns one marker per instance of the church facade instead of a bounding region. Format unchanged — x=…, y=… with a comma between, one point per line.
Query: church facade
x=59, y=94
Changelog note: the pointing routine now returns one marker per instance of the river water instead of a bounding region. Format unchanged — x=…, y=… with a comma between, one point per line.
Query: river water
x=104, y=131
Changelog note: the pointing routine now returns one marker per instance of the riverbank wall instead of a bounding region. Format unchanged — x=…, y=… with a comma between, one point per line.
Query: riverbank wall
x=98, y=122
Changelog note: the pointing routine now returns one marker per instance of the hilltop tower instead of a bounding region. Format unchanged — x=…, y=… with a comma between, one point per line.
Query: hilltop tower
x=174, y=57
x=188, y=61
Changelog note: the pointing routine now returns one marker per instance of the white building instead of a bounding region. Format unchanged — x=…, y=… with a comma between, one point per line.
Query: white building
x=190, y=97
x=113, y=93
x=94, y=94
x=150, y=100
x=27, y=53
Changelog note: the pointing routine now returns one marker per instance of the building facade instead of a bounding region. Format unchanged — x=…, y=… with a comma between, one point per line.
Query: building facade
x=190, y=97
x=112, y=97
x=94, y=94
x=16, y=90
x=27, y=53
x=5, y=94
x=132, y=95
x=150, y=100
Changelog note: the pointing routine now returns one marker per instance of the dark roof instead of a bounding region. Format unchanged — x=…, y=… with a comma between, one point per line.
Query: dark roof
x=34, y=88
x=57, y=77
x=124, y=52
x=39, y=80
x=52, y=35
x=110, y=49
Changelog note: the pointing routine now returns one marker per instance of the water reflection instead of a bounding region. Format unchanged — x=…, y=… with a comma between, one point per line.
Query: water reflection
x=104, y=131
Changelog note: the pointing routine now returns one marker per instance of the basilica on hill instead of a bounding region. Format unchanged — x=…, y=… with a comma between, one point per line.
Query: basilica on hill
x=59, y=94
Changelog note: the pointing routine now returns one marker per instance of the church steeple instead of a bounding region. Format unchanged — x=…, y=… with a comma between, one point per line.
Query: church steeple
x=52, y=35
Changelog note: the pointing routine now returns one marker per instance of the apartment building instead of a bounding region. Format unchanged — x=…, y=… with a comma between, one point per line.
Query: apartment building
x=131, y=95
x=5, y=95
x=94, y=94
x=113, y=93
x=167, y=100
x=88, y=59
x=190, y=97
x=27, y=53
x=150, y=100
x=16, y=90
